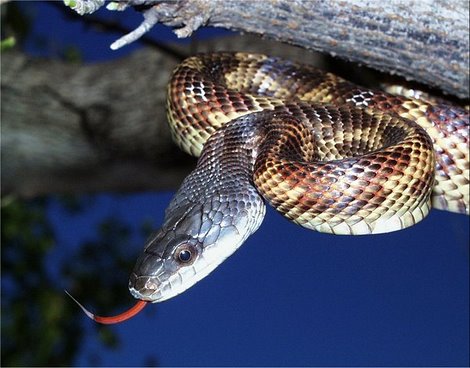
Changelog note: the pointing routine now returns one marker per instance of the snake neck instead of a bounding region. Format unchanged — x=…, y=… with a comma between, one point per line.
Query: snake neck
x=215, y=210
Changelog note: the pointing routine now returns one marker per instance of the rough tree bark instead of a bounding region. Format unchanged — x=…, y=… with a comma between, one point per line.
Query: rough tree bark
x=422, y=40
x=75, y=128
x=72, y=128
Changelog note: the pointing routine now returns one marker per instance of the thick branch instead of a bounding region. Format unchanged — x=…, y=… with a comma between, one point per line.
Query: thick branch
x=425, y=41
x=69, y=128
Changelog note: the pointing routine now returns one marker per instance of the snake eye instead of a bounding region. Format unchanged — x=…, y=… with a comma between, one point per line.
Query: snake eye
x=185, y=254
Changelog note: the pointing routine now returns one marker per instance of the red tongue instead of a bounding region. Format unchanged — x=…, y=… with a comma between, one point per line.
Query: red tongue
x=131, y=312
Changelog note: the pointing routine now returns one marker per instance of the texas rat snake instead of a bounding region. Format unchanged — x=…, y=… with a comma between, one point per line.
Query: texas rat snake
x=327, y=154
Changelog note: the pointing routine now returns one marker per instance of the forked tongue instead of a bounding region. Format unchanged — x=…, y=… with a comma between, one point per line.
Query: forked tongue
x=131, y=312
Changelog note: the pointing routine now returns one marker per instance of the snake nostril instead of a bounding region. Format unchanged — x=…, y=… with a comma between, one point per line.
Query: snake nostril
x=141, y=284
x=132, y=279
x=137, y=283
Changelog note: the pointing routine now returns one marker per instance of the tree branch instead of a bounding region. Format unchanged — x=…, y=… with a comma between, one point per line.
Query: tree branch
x=425, y=41
x=71, y=128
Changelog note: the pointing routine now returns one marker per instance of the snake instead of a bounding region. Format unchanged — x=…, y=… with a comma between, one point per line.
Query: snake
x=329, y=155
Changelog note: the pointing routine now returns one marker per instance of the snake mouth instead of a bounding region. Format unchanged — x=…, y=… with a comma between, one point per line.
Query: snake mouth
x=155, y=279
x=155, y=290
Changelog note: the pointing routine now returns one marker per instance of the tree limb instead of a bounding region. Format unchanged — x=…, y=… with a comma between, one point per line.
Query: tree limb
x=70, y=128
x=425, y=41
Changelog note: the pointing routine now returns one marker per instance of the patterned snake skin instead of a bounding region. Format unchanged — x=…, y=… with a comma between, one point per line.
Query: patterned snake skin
x=327, y=154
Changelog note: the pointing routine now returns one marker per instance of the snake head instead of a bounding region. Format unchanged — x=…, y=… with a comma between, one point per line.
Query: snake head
x=158, y=272
x=192, y=242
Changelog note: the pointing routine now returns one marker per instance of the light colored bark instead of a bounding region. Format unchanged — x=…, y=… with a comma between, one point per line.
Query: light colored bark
x=422, y=40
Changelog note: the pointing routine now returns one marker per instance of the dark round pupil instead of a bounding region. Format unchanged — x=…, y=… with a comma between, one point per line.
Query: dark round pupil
x=184, y=255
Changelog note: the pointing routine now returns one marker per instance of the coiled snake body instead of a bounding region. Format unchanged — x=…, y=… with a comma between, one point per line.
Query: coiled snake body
x=327, y=154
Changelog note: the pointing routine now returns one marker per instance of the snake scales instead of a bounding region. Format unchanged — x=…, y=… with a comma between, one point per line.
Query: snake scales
x=329, y=155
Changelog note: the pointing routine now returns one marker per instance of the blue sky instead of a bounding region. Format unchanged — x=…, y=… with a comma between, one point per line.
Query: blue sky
x=293, y=297
x=289, y=296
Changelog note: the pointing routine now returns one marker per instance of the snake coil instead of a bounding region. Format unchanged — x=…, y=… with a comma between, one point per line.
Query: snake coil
x=327, y=154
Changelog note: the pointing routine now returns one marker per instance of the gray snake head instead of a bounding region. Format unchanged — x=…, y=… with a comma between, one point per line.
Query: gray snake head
x=187, y=248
